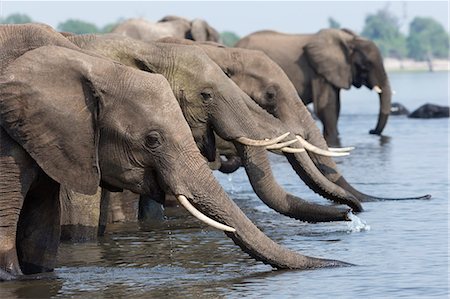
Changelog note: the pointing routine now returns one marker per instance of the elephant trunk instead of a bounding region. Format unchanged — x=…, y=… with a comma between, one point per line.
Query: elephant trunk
x=307, y=127
x=385, y=107
x=207, y=196
x=265, y=186
x=310, y=174
x=230, y=165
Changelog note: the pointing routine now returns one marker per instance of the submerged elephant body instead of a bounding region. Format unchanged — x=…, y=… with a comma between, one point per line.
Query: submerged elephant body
x=320, y=65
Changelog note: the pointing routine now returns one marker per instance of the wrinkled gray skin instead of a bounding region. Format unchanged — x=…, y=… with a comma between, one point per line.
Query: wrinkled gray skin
x=266, y=83
x=185, y=57
x=141, y=29
x=322, y=64
x=75, y=120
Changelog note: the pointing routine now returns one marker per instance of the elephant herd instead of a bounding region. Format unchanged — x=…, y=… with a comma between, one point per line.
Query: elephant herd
x=151, y=110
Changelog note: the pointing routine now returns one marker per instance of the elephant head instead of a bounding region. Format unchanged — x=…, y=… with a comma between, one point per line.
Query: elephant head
x=200, y=30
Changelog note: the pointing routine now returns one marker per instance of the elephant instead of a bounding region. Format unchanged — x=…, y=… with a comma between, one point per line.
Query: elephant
x=145, y=30
x=430, y=111
x=74, y=120
x=276, y=94
x=321, y=64
x=154, y=57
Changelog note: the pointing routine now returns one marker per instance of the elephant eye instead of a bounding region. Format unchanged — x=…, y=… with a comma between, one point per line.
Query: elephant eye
x=271, y=93
x=153, y=140
x=207, y=94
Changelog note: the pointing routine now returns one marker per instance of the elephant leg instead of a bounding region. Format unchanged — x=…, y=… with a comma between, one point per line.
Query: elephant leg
x=150, y=210
x=18, y=170
x=104, y=211
x=80, y=215
x=38, y=230
x=327, y=107
x=11, y=201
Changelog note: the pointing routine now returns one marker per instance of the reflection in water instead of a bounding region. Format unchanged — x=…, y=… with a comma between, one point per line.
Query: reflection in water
x=404, y=253
x=384, y=140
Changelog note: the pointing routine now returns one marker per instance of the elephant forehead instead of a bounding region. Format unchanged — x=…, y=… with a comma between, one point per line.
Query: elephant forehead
x=151, y=96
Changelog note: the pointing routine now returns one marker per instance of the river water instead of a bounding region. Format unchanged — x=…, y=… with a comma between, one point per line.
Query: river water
x=400, y=248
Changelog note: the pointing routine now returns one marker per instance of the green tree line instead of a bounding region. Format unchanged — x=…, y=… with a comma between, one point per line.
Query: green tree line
x=427, y=39
x=71, y=25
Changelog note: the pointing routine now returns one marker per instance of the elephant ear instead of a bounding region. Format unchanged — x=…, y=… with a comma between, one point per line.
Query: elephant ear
x=199, y=30
x=329, y=54
x=50, y=108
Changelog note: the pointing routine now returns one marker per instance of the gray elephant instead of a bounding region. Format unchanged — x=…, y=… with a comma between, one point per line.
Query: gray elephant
x=430, y=111
x=174, y=26
x=75, y=120
x=276, y=94
x=321, y=64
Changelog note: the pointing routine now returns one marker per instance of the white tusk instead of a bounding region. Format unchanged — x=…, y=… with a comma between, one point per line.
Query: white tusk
x=292, y=150
x=202, y=217
x=314, y=149
x=281, y=145
x=377, y=89
x=341, y=149
x=266, y=142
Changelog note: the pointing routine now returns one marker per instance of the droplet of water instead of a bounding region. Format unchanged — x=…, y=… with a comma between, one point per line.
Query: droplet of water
x=356, y=224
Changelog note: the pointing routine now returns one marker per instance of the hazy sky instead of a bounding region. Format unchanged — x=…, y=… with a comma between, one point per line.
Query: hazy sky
x=242, y=17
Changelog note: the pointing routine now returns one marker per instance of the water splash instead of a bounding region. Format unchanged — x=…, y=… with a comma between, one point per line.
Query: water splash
x=230, y=181
x=356, y=224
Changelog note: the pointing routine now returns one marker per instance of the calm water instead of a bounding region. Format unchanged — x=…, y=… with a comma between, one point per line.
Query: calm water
x=401, y=251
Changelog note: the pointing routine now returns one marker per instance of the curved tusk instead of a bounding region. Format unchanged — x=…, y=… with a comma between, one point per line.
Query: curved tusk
x=377, y=89
x=281, y=145
x=292, y=150
x=202, y=217
x=314, y=149
x=266, y=142
x=341, y=149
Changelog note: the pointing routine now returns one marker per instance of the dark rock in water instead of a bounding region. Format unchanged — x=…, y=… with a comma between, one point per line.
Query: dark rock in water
x=430, y=111
x=398, y=109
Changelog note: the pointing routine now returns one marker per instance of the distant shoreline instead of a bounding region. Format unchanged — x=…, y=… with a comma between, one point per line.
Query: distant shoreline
x=409, y=65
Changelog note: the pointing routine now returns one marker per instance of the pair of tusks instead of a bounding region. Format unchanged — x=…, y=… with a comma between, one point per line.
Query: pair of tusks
x=202, y=217
x=273, y=145
x=340, y=152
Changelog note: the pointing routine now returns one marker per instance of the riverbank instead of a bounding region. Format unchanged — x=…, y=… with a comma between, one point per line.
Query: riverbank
x=409, y=65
